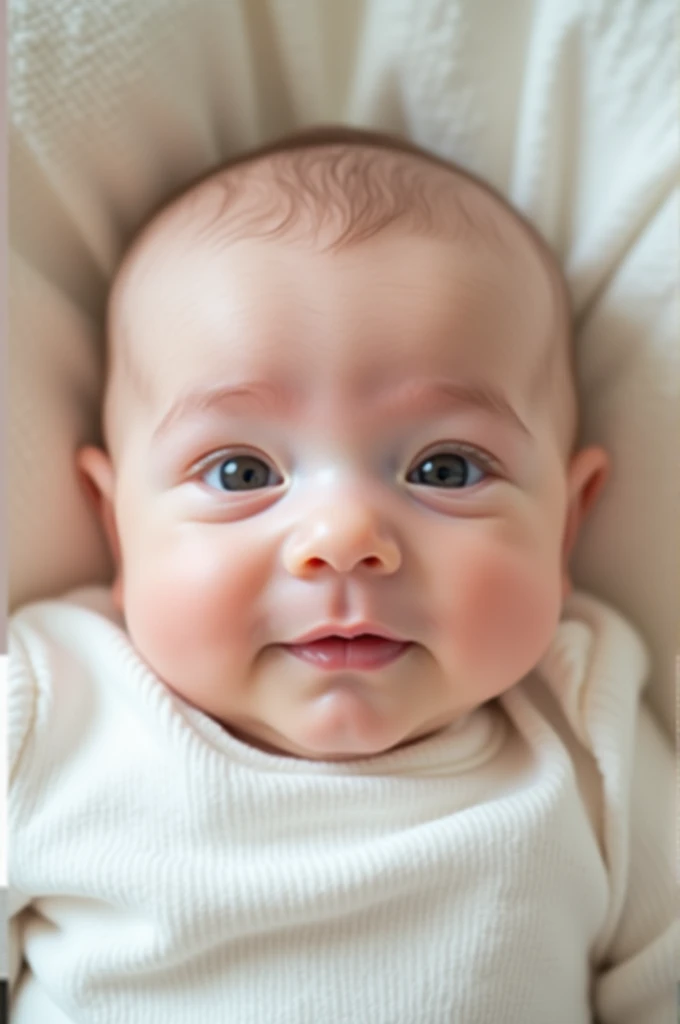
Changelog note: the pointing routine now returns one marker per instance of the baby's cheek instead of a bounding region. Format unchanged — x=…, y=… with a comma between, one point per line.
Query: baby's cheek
x=502, y=609
x=189, y=603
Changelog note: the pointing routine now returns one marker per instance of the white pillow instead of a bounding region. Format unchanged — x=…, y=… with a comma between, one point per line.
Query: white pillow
x=569, y=108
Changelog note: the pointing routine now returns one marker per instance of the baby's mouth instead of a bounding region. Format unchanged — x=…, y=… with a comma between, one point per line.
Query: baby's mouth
x=363, y=652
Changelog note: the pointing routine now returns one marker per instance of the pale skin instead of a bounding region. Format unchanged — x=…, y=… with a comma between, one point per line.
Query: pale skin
x=214, y=582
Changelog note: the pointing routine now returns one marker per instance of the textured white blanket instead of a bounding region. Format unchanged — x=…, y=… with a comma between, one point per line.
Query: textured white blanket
x=569, y=107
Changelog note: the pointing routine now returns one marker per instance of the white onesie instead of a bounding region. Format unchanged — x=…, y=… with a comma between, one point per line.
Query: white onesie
x=515, y=869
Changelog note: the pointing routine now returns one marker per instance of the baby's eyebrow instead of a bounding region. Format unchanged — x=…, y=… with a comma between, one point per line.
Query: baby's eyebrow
x=248, y=397
x=426, y=397
x=431, y=396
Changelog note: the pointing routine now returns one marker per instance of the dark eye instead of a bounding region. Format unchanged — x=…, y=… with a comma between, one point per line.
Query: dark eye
x=240, y=473
x=446, y=469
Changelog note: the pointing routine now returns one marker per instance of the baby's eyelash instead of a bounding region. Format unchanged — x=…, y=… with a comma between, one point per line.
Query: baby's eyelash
x=468, y=451
x=226, y=453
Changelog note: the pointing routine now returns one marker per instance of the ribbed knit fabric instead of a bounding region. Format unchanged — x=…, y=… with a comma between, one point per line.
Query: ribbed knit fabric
x=516, y=868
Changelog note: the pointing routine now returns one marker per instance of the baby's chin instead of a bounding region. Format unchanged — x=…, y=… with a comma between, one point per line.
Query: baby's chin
x=339, y=725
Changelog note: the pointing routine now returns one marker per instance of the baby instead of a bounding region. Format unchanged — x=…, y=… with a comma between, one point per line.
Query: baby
x=339, y=744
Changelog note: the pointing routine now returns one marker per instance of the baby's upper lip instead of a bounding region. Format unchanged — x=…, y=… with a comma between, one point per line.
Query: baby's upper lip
x=347, y=632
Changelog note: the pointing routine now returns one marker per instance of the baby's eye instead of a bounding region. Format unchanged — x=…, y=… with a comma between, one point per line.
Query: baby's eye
x=240, y=473
x=446, y=469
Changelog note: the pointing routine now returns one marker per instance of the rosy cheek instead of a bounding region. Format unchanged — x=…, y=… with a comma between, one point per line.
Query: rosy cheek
x=502, y=609
x=190, y=600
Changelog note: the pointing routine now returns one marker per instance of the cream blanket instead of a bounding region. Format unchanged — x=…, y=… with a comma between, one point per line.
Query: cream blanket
x=570, y=107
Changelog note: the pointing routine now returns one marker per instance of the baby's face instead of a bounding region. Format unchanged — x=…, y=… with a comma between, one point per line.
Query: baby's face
x=350, y=440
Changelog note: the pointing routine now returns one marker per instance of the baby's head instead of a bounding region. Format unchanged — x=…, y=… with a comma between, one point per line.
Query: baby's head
x=340, y=401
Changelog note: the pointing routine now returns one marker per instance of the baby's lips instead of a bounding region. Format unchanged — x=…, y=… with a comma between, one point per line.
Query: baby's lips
x=350, y=631
x=363, y=652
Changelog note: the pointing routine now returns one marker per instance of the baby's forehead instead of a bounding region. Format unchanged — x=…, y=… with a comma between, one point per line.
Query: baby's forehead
x=328, y=199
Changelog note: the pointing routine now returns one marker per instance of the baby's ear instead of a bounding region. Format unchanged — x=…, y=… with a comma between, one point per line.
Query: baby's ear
x=587, y=475
x=99, y=478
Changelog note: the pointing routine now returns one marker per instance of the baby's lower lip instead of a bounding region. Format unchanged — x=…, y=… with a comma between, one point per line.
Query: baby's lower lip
x=363, y=652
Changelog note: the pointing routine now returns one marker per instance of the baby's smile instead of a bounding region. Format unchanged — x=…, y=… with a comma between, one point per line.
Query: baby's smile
x=364, y=652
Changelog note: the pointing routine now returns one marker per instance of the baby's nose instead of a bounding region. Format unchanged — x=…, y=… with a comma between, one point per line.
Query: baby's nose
x=342, y=536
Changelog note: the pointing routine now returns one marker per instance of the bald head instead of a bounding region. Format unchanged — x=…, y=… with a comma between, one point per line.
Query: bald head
x=331, y=190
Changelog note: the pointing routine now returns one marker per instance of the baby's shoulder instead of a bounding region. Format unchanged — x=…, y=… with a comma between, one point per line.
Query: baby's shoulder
x=62, y=622
x=57, y=650
x=596, y=668
x=582, y=703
